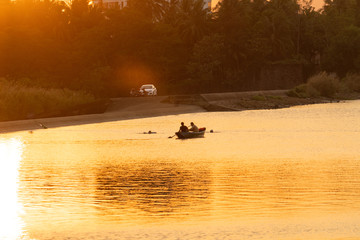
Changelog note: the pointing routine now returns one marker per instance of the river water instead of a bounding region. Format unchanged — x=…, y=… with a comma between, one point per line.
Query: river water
x=267, y=174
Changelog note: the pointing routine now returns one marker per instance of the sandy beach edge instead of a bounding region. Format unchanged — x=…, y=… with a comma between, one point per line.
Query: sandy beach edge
x=119, y=109
x=135, y=108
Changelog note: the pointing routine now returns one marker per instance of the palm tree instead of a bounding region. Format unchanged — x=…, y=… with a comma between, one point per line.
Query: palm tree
x=233, y=18
x=280, y=21
x=152, y=9
x=192, y=20
x=170, y=12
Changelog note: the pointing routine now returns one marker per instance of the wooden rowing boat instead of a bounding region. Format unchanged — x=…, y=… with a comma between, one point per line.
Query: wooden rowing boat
x=184, y=135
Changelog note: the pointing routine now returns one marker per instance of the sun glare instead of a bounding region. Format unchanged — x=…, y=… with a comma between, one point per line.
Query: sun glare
x=10, y=208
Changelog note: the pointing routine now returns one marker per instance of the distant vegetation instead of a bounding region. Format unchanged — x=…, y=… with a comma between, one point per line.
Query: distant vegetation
x=328, y=85
x=21, y=101
x=177, y=45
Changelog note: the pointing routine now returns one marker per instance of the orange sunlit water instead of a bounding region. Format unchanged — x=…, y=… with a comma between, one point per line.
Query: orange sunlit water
x=273, y=174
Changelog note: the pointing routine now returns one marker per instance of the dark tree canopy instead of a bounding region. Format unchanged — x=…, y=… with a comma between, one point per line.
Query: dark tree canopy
x=178, y=45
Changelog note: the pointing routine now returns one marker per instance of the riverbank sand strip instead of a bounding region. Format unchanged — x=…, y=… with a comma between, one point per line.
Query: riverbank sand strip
x=143, y=107
x=120, y=109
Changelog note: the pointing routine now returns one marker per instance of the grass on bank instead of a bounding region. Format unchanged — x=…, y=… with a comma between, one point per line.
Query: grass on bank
x=20, y=101
x=327, y=85
x=265, y=97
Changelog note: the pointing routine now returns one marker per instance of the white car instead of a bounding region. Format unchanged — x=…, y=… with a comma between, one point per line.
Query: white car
x=148, y=90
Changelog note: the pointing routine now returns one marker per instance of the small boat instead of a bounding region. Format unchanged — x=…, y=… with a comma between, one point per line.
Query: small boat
x=184, y=135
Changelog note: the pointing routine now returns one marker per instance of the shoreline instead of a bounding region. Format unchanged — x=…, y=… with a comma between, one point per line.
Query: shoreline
x=257, y=100
x=136, y=108
x=119, y=109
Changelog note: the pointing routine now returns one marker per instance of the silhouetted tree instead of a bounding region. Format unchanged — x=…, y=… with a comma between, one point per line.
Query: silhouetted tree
x=343, y=54
x=175, y=43
x=151, y=9
x=192, y=20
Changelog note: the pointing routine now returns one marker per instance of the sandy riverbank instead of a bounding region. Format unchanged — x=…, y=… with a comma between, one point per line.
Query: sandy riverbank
x=132, y=108
x=119, y=109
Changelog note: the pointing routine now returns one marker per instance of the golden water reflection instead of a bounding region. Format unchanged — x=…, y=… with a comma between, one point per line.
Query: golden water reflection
x=12, y=226
x=279, y=174
x=156, y=190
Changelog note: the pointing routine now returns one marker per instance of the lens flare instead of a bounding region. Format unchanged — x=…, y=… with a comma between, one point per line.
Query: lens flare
x=10, y=207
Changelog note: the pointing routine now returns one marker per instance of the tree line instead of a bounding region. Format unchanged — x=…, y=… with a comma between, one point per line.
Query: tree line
x=178, y=45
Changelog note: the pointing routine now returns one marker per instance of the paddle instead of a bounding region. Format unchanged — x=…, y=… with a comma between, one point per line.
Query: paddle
x=172, y=136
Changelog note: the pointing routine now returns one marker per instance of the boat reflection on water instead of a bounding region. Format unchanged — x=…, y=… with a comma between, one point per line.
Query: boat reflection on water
x=81, y=181
x=157, y=189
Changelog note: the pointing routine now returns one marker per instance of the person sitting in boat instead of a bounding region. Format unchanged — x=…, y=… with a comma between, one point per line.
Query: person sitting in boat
x=183, y=128
x=193, y=128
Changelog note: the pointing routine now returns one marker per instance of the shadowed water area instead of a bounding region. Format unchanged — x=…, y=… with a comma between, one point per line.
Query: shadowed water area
x=270, y=174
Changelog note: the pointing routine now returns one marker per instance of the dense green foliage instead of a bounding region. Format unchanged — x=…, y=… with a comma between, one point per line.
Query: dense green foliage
x=20, y=100
x=177, y=45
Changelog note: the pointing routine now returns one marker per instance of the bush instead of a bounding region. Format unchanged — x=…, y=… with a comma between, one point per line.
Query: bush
x=19, y=101
x=299, y=91
x=352, y=82
x=258, y=98
x=274, y=97
x=327, y=85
